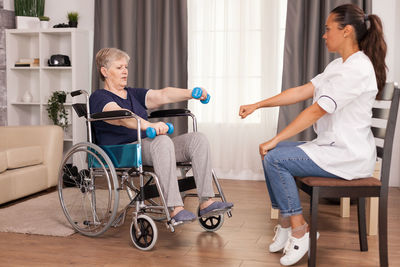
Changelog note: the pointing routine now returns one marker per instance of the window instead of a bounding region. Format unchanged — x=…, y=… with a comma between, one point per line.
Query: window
x=236, y=54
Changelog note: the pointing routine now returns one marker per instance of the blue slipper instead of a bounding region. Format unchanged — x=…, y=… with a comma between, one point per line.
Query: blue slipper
x=183, y=216
x=216, y=208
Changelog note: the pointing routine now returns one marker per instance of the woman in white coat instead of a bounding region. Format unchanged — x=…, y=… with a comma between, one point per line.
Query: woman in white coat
x=341, y=112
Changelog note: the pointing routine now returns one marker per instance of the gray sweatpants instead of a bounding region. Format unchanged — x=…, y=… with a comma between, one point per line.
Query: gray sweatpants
x=163, y=152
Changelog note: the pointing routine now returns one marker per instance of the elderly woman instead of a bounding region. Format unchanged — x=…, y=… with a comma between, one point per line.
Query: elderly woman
x=161, y=152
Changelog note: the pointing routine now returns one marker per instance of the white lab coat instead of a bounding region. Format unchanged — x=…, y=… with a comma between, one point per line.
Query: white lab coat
x=345, y=145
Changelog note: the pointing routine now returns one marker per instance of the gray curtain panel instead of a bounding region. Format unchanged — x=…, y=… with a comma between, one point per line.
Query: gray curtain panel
x=154, y=34
x=305, y=53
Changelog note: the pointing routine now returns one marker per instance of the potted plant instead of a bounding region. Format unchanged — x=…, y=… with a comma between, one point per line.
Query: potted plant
x=27, y=13
x=44, y=22
x=56, y=110
x=73, y=19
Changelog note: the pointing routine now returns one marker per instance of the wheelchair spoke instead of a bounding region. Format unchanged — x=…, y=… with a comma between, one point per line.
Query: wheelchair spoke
x=143, y=236
x=148, y=227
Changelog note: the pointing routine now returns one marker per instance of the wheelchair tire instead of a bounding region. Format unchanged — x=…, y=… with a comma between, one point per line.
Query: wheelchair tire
x=148, y=233
x=212, y=223
x=88, y=196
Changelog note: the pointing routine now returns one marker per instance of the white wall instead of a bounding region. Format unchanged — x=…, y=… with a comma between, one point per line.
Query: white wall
x=388, y=11
x=57, y=11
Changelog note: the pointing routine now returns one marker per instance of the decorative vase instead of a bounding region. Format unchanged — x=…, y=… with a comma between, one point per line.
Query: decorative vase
x=44, y=24
x=24, y=22
x=73, y=24
x=27, y=97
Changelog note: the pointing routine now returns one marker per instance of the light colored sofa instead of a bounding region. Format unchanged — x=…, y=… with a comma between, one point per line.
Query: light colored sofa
x=29, y=159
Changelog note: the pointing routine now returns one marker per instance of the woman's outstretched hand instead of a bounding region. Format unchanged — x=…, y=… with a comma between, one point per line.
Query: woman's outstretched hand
x=246, y=110
x=265, y=147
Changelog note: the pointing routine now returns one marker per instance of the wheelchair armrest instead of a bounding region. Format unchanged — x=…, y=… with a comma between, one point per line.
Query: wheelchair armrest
x=110, y=115
x=169, y=113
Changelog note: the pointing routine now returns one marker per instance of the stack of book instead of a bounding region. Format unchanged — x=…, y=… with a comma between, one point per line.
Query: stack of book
x=27, y=62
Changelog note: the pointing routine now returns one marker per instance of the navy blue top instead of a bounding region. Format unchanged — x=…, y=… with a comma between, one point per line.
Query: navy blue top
x=108, y=134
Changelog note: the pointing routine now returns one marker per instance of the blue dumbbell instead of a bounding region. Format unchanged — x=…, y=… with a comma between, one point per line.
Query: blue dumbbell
x=151, y=132
x=197, y=92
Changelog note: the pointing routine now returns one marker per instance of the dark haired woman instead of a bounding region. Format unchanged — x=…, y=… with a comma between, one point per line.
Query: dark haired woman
x=343, y=96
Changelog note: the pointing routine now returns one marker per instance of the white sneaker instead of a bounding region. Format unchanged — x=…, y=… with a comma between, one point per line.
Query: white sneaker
x=280, y=238
x=295, y=249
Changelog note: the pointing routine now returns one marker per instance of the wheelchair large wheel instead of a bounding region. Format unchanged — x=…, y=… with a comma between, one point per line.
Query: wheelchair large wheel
x=87, y=189
x=148, y=233
x=212, y=223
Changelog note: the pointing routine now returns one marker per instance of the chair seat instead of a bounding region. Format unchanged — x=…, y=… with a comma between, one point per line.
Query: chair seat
x=326, y=182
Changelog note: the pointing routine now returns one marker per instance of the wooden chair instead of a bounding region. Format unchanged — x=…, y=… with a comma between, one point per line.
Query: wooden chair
x=321, y=187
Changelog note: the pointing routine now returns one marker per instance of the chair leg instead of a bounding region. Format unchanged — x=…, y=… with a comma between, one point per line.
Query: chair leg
x=274, y=213
x=312, y=252
x=362, y=228
x=372, y=207
x=383, y=242
x=345, y=207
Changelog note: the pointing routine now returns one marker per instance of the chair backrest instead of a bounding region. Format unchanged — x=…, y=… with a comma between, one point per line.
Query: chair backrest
x=384, y=132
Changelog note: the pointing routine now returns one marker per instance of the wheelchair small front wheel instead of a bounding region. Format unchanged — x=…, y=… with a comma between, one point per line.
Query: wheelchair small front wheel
x=212, y=223
x=147, y=238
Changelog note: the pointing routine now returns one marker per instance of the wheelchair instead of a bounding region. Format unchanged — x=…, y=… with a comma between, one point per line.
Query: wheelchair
x=91, y=178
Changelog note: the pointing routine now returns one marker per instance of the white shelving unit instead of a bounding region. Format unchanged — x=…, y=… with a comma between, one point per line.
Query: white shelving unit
x=43, y=80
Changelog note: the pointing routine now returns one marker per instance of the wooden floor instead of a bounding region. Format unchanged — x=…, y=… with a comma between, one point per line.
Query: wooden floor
x=242, y=240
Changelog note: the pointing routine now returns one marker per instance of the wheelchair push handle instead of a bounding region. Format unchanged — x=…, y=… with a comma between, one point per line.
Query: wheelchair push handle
x=78, y=92
x=197, y=92
x=151, y=132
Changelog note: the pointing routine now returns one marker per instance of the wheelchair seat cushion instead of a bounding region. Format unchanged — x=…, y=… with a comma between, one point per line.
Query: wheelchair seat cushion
x=122, y=156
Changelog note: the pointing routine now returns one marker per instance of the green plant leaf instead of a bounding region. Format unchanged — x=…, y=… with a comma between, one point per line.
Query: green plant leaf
x=56, y=110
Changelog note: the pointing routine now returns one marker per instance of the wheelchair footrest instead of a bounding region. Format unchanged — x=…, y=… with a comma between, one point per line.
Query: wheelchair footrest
x=187, y=183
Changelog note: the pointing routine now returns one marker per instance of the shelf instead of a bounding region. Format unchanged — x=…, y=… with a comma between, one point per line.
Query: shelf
x=43, y=68
x=25, y=68
x=29, y=33
x=65, y=104
x=26, y=103
x=43, y=80
x=33, y=32
x=57, y=68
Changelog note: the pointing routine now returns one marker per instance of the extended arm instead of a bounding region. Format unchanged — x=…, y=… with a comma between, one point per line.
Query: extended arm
x=156, y=98
x=287, y=97
x=304, y=120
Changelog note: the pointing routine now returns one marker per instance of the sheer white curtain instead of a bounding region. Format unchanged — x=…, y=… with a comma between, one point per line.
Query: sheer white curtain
x=236, y=52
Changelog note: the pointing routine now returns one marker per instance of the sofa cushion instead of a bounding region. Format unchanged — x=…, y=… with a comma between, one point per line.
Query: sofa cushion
x=21, y=182
x=3, y=161
x=24, y=156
